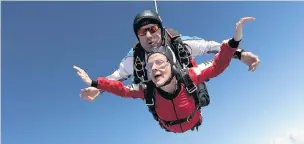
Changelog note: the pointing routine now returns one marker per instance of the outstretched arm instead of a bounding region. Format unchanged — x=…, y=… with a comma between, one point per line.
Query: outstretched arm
x=104, y=84
x=222, y=59
x=220, y=62
x=198, y=46
x=124, y=71
x=118, y=88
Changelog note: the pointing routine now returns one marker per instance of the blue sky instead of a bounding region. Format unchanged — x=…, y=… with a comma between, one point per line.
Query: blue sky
x=41, y=41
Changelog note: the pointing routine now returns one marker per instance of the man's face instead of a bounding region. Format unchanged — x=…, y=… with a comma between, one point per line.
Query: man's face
x=149, y=36
x=159, y=69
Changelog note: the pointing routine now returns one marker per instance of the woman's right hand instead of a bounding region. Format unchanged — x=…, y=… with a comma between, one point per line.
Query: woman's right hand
x=89, y=93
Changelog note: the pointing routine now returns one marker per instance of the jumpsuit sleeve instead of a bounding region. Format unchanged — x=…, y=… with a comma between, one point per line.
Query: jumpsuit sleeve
x=220, y=62
x=117, y=88
x=198, y=46
x=125, y=69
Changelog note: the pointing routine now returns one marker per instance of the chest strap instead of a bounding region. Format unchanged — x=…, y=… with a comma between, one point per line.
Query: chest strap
x=183, y=120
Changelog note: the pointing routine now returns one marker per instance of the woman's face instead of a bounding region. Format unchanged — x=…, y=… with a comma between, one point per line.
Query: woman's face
x=159, y=69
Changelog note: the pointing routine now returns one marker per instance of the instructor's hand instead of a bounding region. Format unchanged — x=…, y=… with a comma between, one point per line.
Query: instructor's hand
x=83, y=75
x=239, y=27
x=251, y=60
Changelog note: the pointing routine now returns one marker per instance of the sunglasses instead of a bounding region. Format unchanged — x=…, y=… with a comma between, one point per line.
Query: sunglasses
x=143, y=31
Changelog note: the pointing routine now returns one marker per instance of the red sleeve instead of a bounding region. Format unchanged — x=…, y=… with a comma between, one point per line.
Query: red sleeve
x=118, y=88
x=220, y=62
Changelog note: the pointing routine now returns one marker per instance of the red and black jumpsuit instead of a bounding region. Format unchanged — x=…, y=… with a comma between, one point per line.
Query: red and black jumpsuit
x=182, y=105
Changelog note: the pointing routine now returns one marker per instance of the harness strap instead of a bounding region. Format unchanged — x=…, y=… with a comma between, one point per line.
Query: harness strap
x=192, y=90
x=196, y=125
x=149, y=99
x=181, y=51
x=139, y=65
x=180, y=121
x=149, y=94
x=190, y=86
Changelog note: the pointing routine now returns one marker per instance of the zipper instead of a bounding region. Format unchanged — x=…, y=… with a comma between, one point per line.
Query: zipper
x=176, y=115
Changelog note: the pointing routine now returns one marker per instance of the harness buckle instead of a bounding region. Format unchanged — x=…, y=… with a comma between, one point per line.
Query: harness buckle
x=142, y=78
x=192, y=89
x=140, y=72
x=149, y=104
x=170, y=123
x=188, y=119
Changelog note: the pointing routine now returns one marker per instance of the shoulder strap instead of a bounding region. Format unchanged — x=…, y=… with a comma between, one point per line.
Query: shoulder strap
x=173, y=39
x=139, y=71
x=199, y=93
x=149, y=93
x=172, y=33
x=182, y=53
x=189, y=85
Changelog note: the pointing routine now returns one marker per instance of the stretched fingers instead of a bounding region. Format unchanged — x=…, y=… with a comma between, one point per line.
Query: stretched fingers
x=246, y=19
x=77, y=68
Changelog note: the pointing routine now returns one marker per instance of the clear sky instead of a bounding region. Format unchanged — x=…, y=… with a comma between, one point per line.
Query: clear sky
x=41, y=41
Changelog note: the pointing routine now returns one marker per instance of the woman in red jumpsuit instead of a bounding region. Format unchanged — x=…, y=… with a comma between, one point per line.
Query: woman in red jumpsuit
x=172, y=101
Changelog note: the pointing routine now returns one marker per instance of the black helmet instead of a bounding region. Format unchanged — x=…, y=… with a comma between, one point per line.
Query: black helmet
x=144, y=18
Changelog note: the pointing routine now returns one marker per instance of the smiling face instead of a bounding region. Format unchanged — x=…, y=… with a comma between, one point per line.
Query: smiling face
x=159, y=68
x=149, y=36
